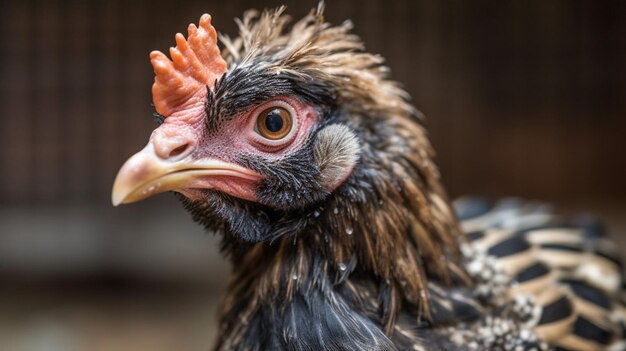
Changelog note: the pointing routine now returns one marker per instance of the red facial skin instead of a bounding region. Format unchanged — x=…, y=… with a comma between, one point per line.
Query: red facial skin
x=183, y=134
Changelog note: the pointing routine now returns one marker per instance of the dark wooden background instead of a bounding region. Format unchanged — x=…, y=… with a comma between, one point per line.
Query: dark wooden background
x=523, y=98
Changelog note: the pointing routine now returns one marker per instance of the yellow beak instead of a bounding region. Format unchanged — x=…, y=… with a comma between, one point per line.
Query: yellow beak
x=146, y=174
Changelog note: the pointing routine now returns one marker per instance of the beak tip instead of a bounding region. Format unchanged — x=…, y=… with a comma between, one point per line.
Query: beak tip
x=116, y=199
x=119, y=193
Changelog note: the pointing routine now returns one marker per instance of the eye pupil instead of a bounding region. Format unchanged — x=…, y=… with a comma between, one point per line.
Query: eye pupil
x=274, y=121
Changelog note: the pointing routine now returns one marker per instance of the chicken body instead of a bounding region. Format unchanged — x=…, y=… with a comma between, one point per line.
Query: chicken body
x=295, y=145
x=539, y=281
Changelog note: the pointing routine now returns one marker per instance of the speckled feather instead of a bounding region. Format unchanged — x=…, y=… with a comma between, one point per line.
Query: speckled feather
x=565, y=269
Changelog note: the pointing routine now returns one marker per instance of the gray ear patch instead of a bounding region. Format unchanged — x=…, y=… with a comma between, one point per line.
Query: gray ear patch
x=336, y=152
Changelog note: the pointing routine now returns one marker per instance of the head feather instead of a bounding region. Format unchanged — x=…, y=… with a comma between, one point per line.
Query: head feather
x=314, y=50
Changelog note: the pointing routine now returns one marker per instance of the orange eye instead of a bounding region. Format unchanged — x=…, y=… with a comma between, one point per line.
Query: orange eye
x=274, y=123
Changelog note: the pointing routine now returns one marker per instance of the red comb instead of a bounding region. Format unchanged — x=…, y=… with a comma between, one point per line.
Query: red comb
x=195, y=63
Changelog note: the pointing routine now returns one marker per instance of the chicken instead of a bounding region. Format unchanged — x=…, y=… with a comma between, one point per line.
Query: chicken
x=317, y=171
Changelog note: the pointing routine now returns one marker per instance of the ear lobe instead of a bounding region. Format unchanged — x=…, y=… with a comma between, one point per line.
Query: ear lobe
x=336, y=152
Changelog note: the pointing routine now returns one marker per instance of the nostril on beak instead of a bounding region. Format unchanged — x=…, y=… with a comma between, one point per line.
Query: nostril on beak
x=171, y=143
x=171, y=150
x=178, y=151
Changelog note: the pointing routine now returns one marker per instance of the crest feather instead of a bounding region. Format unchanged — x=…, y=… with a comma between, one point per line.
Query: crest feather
x=313, y=49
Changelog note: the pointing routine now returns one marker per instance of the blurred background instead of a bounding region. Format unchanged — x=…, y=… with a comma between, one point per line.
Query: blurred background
x=523, y=98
